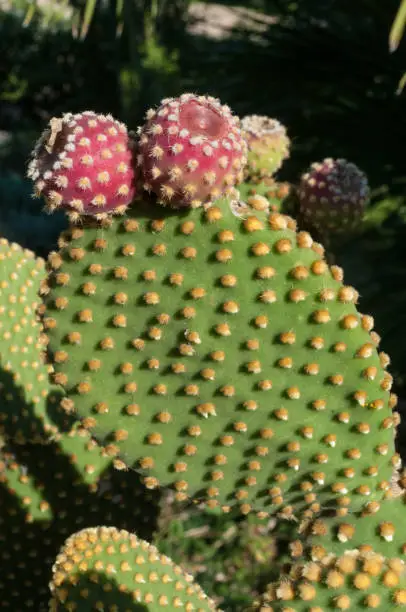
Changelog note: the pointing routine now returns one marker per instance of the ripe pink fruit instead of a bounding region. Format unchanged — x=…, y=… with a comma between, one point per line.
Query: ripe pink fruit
x=333, y=195
x=191, y=151
x=83, y=163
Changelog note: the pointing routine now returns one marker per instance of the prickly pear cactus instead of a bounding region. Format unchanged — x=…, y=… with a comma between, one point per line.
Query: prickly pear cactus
x=269, y=195
x=27, y=399
x=115, y=569
x=380, y=526
x=48, y=492
x=352, y=581
x=223, y=356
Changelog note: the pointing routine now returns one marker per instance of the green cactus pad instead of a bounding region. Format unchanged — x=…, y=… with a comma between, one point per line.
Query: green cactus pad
x=379, y=526
x=109, y=569
x=354, y=581
x=266, y=195
x=46, y=493
x=223, y=356
x=27, y=399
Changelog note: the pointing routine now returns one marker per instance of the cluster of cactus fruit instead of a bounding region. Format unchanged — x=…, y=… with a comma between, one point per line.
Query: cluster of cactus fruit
x=187, y=336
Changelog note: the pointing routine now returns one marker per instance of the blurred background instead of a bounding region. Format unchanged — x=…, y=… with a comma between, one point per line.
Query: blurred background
x=321, y=67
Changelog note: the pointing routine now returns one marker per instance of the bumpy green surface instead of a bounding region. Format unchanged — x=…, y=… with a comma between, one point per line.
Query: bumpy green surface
x=221, y=355
x=272, y=195
x=380, y=526
x=46, y=493
x=27, y=399
x=109, y=569
x=353, y=581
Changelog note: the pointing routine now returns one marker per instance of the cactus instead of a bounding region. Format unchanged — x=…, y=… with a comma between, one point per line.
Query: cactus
x=379, y=527
x=84, y=163
x=28, y=401
x=47, y=493
x=120, y=570
x=352, y=581
x=202, y=345
x=268, y=146
x=191, y=151
x=167, y=333
x=265, y=195
x=332, y=196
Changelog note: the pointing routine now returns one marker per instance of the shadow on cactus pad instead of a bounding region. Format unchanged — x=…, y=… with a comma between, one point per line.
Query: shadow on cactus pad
x=47, y=493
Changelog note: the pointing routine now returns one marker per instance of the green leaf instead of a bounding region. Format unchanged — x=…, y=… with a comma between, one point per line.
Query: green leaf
x=398, y=27
x=87, y=18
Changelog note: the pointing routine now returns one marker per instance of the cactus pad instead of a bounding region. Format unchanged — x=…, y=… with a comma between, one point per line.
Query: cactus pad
x=379, y=526
x=46, y=493
x=105, y=569
x=354, y=581
x=26, y=396
x=223, y=356
x=268, y=196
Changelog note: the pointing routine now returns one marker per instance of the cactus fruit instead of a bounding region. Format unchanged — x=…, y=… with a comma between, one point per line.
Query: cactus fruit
x=223, y=356
x=268, y=146
x=109, y=569
x=191, y=151
x=352, y=581
x=332, y=196
x=48, y=492
x=27, y=399
x=83, y=163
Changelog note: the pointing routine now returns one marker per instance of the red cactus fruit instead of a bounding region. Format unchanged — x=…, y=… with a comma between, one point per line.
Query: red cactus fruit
x=83, y=163
x=333, y=195
x=268, y=146
x=191, y=151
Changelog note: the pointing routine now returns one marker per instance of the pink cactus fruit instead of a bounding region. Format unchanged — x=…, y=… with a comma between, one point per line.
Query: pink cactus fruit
x=191, y=151
x=83, y=163
x=268, y=146
x=333, y=195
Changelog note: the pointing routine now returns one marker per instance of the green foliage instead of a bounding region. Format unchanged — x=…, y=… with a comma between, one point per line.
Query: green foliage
x=232, y=558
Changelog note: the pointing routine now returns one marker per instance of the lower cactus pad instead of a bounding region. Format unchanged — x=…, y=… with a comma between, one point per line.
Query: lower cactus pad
x=107, y=569
x=353, y=581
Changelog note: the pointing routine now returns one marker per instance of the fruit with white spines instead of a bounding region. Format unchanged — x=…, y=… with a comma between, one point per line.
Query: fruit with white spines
x=268, y=146
x=332, y=196
x=83, y=163
x=191, y=151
